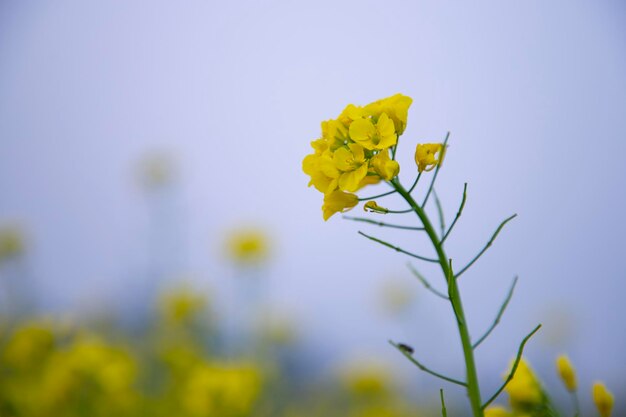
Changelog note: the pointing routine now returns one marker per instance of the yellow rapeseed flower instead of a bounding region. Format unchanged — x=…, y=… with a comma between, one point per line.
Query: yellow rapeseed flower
x=566, y=372
x=353, y=166
x=322, y=170
x=396, y=107
x=353, y=151
x=603, y=399
x=384, y=166
x=338, y=202
x=428, y=156
x=381, y=135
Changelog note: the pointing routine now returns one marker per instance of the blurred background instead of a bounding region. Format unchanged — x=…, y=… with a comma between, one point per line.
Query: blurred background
x=150, y=163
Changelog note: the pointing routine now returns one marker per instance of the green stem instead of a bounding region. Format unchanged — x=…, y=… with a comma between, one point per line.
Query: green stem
x=473, y=389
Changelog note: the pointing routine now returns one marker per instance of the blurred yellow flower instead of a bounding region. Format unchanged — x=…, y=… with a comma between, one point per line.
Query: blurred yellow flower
x=11, y=242
x=248, y=245
x=366, y=379
x=497, y=411
x=566, y=372
x=428, y=156
x=524, y=389
x=603, y=399
x=182, y=304
x=29, y=344
x=222, y=389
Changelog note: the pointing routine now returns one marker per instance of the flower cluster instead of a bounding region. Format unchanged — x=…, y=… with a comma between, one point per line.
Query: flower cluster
x=355, y=151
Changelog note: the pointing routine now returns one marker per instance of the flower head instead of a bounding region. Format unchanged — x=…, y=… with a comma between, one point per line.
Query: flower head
x=603, y=399
x=353, y=151
x=428, y=156
x=338, y=202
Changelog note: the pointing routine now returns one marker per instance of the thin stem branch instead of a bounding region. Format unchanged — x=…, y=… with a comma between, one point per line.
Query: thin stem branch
x=398, y=249
x=424, y=368
x=377, y=223
x=442, y=220
x=432, y=182
x=377, y=196
x=499, y=316
x=458, y=214
x=473, y=388
x=513, y=369
x=487, y=246
x=425, y=282
x=576, y=403
x=417, y=179
x=444, y=412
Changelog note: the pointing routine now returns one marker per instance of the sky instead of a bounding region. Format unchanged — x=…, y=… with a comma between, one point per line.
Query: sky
x=533, y=93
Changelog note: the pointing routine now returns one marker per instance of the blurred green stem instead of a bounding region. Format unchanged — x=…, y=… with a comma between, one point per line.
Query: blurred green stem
x=473, y=389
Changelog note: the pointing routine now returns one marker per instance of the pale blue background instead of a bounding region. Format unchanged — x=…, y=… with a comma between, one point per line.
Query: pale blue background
x=533, y=92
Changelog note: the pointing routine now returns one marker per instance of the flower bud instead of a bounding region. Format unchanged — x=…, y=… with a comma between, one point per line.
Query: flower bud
x=567, y=373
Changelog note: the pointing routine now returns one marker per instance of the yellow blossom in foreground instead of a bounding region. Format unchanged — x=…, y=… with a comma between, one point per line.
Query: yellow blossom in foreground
x=428, y=156
x=396, y=107
x=381, y=135
x=384, y=166
x=566, y=372
x=248, y=246
x=322, y=170
x=497, y=411
x=354, y=151
x=524, y=389
x=338, y=202
x=351, y=162
x=603, y=399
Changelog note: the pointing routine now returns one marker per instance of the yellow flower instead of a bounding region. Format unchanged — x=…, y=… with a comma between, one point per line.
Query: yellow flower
x=182, y=304
x=321, y=168
x=566, y=372
x=221, y=389
x=603, y=399
x=381, y=135
x=385, y=166
x=395, y=107
x=351, y=161
x=428, y=156
x=335, y=134
x=524, y=389
x=350, y=114
x=338, y=202
x=497, y=411
x=248, y=245
x=372, y=207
